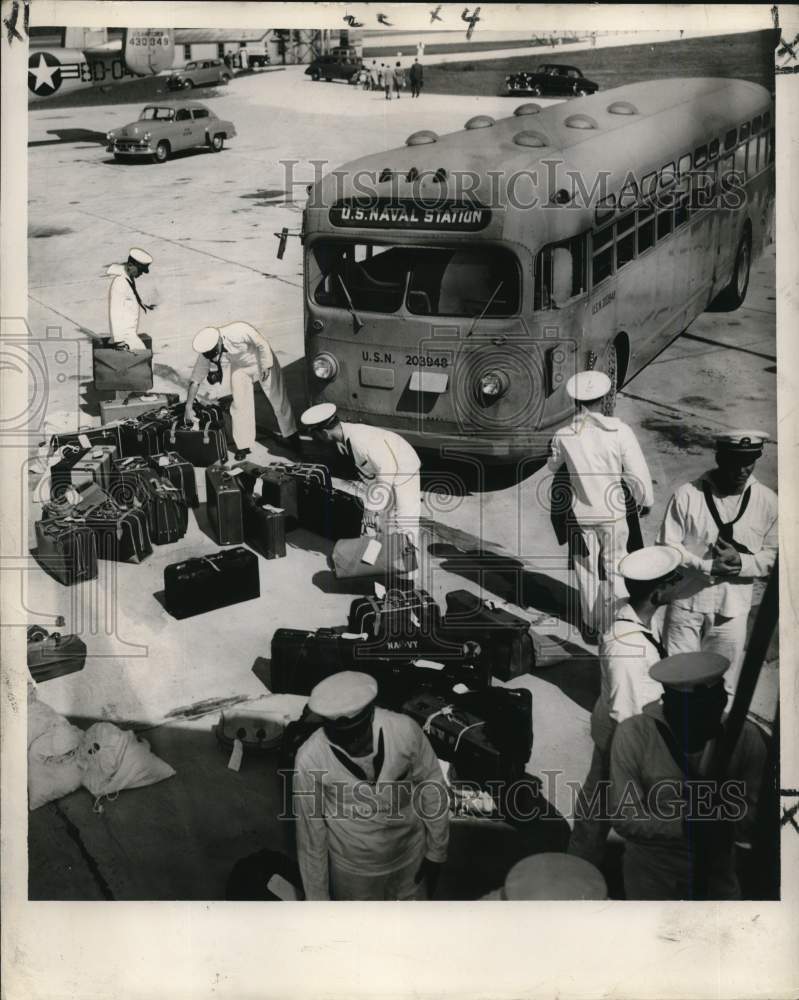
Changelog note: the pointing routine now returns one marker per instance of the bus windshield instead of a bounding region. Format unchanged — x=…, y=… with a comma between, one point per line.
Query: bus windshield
x=429, y=281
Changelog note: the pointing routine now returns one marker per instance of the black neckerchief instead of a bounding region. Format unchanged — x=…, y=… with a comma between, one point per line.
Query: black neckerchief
x=648, y=636
x=726, y=527
x=356, y=769
x=132, y=284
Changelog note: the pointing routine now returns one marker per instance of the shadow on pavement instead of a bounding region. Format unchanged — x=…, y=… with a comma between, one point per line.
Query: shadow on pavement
x=70, y=135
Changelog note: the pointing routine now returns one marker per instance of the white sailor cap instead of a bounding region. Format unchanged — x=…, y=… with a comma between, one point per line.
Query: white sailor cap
x=142, y=258
x=320, y=416
x=746, y=443
x=650, y=563
x=206, y=339
x=554, y=876
x=343, y=695
x=686, y=671
x=588, y=385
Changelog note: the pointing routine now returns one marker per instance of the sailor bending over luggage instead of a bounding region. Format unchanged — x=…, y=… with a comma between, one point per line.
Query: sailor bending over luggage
x=251, y=360
x=124, y=302
x=370, y=799
x=386, y=464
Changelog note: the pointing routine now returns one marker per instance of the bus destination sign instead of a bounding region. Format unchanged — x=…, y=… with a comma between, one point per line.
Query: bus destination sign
x=383, y=213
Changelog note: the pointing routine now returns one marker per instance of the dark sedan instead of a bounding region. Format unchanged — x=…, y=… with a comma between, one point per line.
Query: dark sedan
x=551, y=80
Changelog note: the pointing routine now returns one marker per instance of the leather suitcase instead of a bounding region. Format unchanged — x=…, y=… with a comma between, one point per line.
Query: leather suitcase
x=75, y=503
x=122, y=535
x=459, y=735
x=141, y=435
x=273, y=484
x=167, y=511
x=196, y=586
x=201, y=447
x=97, y=464
x=67, y=549
x=393, y=556
x=178, y=471
x=331, y=513
x=54, y=655
x=505, y=639
x=88, y=437
x=64, y=473
x=129, y=482
x=400, y=614
x=264, y=528
x=116, y=368
x=134, y=406
x=224, y=505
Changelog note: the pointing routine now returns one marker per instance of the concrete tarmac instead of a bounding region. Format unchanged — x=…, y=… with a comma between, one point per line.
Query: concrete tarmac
x=209, y=222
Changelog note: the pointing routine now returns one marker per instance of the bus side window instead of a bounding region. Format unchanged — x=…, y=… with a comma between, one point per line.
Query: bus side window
x=646, y=229
x=740, y=160
x=602, y=257
x=730, y=138
x=625, y=240
x=761, y=150
x=683, y=191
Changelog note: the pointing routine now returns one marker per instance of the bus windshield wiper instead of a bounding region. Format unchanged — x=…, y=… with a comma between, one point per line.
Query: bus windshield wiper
x=355, y=317
x=485, y=309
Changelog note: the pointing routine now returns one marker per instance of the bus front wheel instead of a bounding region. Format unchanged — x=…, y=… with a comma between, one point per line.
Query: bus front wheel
x=731, y=297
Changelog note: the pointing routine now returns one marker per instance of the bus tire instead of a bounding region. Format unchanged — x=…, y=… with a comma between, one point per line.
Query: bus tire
x=731, y=297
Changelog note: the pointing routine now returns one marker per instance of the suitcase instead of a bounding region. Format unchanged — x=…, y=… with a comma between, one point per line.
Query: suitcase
x=122, y=535
x=67, y=549
x=273, y=484
x=201, y=447
x=178, y=471
x=134, y=406
x=55, y=655
x=97, y=465
x=329, y=512
x=460, y=735
x=196, y=586
x=64, y=473
x=75, y=503
x=504, y=638
x=116, y=367
x=142, y=435
x=381, y=556
x=224, y=505
x=400, y=614
x=88, y=437
x=264, y=527
x=129, y=481
x=166, y=509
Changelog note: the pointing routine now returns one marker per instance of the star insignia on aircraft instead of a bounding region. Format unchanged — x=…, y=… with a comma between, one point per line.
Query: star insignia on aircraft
x=44, y=73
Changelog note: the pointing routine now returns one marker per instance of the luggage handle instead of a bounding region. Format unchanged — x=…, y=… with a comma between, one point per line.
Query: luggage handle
x=210, y=563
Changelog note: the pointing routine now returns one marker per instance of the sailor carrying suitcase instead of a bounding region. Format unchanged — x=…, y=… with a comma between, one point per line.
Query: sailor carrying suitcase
x=116, y=367
x=206, y=583
x=53, y=655
x=224, y=505
x=505, y=639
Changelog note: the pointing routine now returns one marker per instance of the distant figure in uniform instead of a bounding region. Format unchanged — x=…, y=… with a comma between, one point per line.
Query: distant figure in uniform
x=673, y=836
x=370, y=799
x=416, y=74
x=381, y=76
x=374, y=75
x=386, y=464
x=626, y=652
x=251, y=360
x=398, y=80
x=725, y=522
x=388, y=81
x=597, y=451
x=124, y=302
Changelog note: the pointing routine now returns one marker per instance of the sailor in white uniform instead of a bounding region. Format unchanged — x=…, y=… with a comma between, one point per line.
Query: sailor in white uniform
x=124, y=302
x=251, y=360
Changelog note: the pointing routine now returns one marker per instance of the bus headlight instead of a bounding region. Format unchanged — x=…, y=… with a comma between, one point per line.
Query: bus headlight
x=325, y=367
x=493, y=384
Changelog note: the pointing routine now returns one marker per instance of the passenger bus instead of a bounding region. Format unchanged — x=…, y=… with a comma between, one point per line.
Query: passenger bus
x=454, y=284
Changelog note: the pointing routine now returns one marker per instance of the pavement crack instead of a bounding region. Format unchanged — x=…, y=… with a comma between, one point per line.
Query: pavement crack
x=75, y=835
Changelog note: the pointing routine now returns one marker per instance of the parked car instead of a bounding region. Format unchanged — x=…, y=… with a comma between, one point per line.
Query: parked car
x=201, y=73
x=164, y=129
x=340, y=64
x=551, y=80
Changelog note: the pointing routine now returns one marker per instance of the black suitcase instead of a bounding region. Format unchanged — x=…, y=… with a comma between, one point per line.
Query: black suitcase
x=202, y=447
x=122, y=534
x=88, y=437
x=224, y=505
x=462, y=736
x=272, y=484
x=264, y=528
x=142, y=435
x=179, y=472
x=67, y=549
x=329, y=512
x=167, y=511
x=54, y=655
x=504, y=638
x=129, y=482
x=400, y=614
x=205, y=583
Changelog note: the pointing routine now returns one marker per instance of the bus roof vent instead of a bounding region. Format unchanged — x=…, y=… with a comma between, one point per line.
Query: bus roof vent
x=580, y=121
x=440, y=175
x=527, y=109
x=479, y=121
x=421, y=138
x=537, y=139
x=622, y=108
